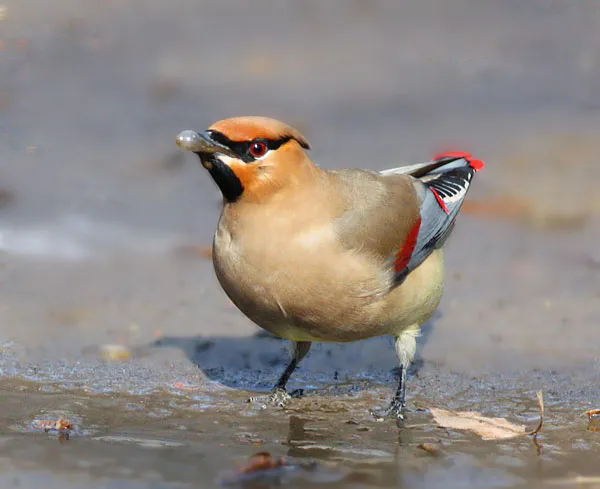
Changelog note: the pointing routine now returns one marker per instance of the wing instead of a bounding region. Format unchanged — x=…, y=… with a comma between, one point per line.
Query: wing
x=441, y=185
x=377, y=213
x=401, y=215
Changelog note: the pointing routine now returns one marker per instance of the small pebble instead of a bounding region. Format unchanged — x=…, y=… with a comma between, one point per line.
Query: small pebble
x=114, y=352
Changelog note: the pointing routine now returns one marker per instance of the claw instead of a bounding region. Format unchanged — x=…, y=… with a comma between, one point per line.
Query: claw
x=278, y=397
x=394, y=410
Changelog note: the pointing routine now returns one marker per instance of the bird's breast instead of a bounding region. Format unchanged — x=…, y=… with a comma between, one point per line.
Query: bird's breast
x=299, y=284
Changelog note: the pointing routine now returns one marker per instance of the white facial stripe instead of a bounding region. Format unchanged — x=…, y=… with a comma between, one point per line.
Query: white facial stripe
x=228, y=160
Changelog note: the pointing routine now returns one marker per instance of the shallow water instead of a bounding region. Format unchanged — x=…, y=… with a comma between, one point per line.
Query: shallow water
x=144, y=428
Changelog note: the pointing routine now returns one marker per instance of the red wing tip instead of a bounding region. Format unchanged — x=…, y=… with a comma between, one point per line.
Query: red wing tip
x=475, y=164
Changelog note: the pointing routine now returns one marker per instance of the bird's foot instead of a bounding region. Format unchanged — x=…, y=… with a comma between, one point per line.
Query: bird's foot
x=395, y=410
x=278, y=397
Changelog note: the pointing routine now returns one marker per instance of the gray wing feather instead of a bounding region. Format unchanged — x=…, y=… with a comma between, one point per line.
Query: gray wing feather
x=441, y=191
x=372, y=220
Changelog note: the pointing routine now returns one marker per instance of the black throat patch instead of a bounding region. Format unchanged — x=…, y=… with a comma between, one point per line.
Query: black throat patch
x=229, y=184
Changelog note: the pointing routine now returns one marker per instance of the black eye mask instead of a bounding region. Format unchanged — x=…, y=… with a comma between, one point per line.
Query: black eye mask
x=242, y=148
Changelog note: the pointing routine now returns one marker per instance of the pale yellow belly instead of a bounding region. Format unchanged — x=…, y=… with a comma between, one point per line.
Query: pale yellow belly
x=418, y=297
x=332, y=308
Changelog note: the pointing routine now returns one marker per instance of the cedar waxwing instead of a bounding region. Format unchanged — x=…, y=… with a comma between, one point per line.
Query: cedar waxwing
x=328, y=255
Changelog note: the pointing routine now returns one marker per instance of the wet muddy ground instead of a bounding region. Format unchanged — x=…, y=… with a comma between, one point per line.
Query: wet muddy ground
x=110, y=315
x=168, y=426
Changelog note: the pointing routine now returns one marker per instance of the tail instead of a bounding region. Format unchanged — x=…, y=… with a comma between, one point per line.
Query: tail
x=450, y=178
x=420, y=170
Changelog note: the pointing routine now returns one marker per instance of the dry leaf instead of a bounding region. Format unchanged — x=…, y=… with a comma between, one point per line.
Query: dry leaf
x=593, y=419
x=431, y=448
x=487, y=428
x=53, y=425
x=592, y=412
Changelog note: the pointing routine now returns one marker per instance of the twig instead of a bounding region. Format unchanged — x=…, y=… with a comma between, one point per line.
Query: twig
x=538, y=428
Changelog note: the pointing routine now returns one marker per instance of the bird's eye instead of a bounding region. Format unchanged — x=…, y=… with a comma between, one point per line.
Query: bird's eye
x=258, y=149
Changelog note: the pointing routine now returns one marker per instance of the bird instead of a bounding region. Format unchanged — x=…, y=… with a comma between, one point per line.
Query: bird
x=310, y=254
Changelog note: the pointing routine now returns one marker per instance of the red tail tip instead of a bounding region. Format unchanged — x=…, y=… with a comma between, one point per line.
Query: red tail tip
x=475, y=164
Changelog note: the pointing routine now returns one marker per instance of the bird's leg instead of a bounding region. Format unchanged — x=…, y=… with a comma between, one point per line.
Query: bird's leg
x=279, y=394
x=406, y=346
x=396, y=407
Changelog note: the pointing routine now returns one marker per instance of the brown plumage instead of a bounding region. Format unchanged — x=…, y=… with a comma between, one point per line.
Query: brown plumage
x=316, y=255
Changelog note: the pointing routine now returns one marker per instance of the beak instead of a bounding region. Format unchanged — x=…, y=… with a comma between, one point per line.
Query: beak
x=202, y=143
x=206, y=147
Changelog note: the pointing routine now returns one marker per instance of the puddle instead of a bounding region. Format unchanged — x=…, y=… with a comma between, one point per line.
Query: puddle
x=152, y=432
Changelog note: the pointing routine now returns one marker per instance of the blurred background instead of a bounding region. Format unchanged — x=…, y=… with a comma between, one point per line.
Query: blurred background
x=108, y=300
x=105, y=226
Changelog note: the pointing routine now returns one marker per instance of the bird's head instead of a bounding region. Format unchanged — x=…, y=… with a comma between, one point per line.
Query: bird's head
x=248, y=157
